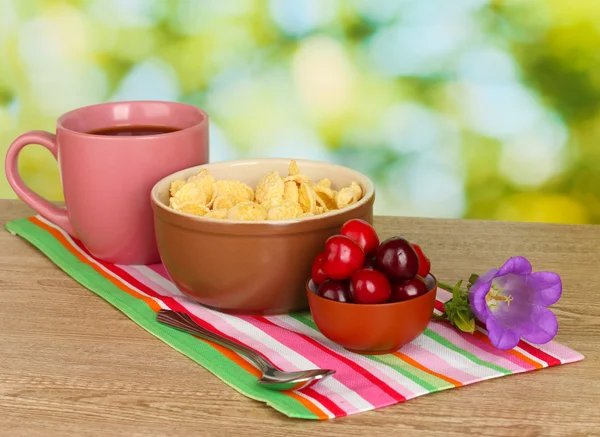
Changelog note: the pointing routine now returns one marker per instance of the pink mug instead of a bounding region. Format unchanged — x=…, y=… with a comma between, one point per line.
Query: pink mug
x=110, y=156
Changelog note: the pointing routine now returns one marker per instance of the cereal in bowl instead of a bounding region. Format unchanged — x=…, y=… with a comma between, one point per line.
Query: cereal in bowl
x=326, y=197
x=237, y=191
x=205, y=180
x=290, y=191
x=275, y=197
x=271, y=186
x=175, y=186
x=222, y=202
x=216, y=213
x=284, y=210
x=247, y=210
x=307, y=198
x=348, y=196
x=188, y=193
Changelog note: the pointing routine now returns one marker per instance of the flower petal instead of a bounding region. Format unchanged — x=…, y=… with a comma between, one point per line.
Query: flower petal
x=546, y=287
x=477, y=294
x=542, y=328
x=517, y=265
x=488, y=276
x=479, y=306
x=501, y=337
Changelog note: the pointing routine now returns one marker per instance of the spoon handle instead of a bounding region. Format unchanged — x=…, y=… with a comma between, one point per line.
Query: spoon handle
x=185, y=323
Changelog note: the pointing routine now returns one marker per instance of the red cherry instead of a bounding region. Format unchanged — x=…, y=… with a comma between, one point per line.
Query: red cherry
x=410, y=289
x=318, y=275
x=424, y=263
x=334, y=290
x=363, y=233
x=370, y=286
x=397, y=259
x=343, y=256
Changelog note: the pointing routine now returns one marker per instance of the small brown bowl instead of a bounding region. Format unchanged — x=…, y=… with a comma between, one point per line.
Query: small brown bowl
x=372, y=329
x=250, y=267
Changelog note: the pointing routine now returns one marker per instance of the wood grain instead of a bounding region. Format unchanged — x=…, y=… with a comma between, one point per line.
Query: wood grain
x=71, y=364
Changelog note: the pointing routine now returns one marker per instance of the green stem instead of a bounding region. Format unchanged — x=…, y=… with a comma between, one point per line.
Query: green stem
x=445, y=286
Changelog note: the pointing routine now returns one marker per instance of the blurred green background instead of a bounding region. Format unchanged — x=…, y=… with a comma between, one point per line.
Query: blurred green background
x=456, y=108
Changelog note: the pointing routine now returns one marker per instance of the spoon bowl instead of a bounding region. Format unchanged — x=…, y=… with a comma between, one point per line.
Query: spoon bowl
x=272, y=377
x=283, y=381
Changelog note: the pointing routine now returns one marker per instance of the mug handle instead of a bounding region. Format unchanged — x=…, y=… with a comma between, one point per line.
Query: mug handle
x=50, y=212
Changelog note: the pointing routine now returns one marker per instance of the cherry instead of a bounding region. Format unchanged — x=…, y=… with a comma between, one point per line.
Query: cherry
x=370, y=286
x=343, y=256
x=369, y=263
x=363, y=233
x=318, y=275
x=334, y=290
x=397, y=259
x=424, y=263
x=410, y=289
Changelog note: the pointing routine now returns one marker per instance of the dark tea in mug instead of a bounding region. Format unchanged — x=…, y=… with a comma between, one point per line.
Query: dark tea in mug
x=133, y=131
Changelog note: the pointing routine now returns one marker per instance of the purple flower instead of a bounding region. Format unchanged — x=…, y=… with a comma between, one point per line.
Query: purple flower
x=512, y=302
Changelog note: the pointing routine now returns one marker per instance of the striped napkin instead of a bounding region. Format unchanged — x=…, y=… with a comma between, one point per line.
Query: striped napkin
x=441, y=358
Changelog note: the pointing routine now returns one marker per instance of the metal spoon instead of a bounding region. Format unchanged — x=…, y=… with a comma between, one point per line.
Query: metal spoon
x=272, y=378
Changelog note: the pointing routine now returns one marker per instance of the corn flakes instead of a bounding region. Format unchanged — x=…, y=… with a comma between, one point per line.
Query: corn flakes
x=290, y=191
x=175, y=186
x=325, y=182
x=349, y=195
x=293, y=168
x=271, y=186
x=274, y=198
x=191, y=208
x=298, y=178
x=357, y=189
x=190, y=192
x=307, y=198
x=247, y=210
x=216, y=213
x=237, y=191
x=271, y=203
x=286, y=209
x=326, y=196
x=222, y=202
x=321, y=204
x=205, y=180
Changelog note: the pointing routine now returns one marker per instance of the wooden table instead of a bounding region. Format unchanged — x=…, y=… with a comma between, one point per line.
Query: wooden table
x=71, y=364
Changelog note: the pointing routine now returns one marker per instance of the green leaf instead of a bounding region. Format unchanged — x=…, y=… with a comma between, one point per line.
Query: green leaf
x=456, y=292
x=457, y=310
x=474, y=277
x=472, y=280
x=450, y=309
x=465, y=326
x=464, y=321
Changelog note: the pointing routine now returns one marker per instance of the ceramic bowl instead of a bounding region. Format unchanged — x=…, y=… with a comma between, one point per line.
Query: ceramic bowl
x=375, y=328
x=250, y=267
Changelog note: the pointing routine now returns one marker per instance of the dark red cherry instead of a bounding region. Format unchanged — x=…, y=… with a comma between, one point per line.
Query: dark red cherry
x=410, y=289
x=397, y=259
x=334, y=290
